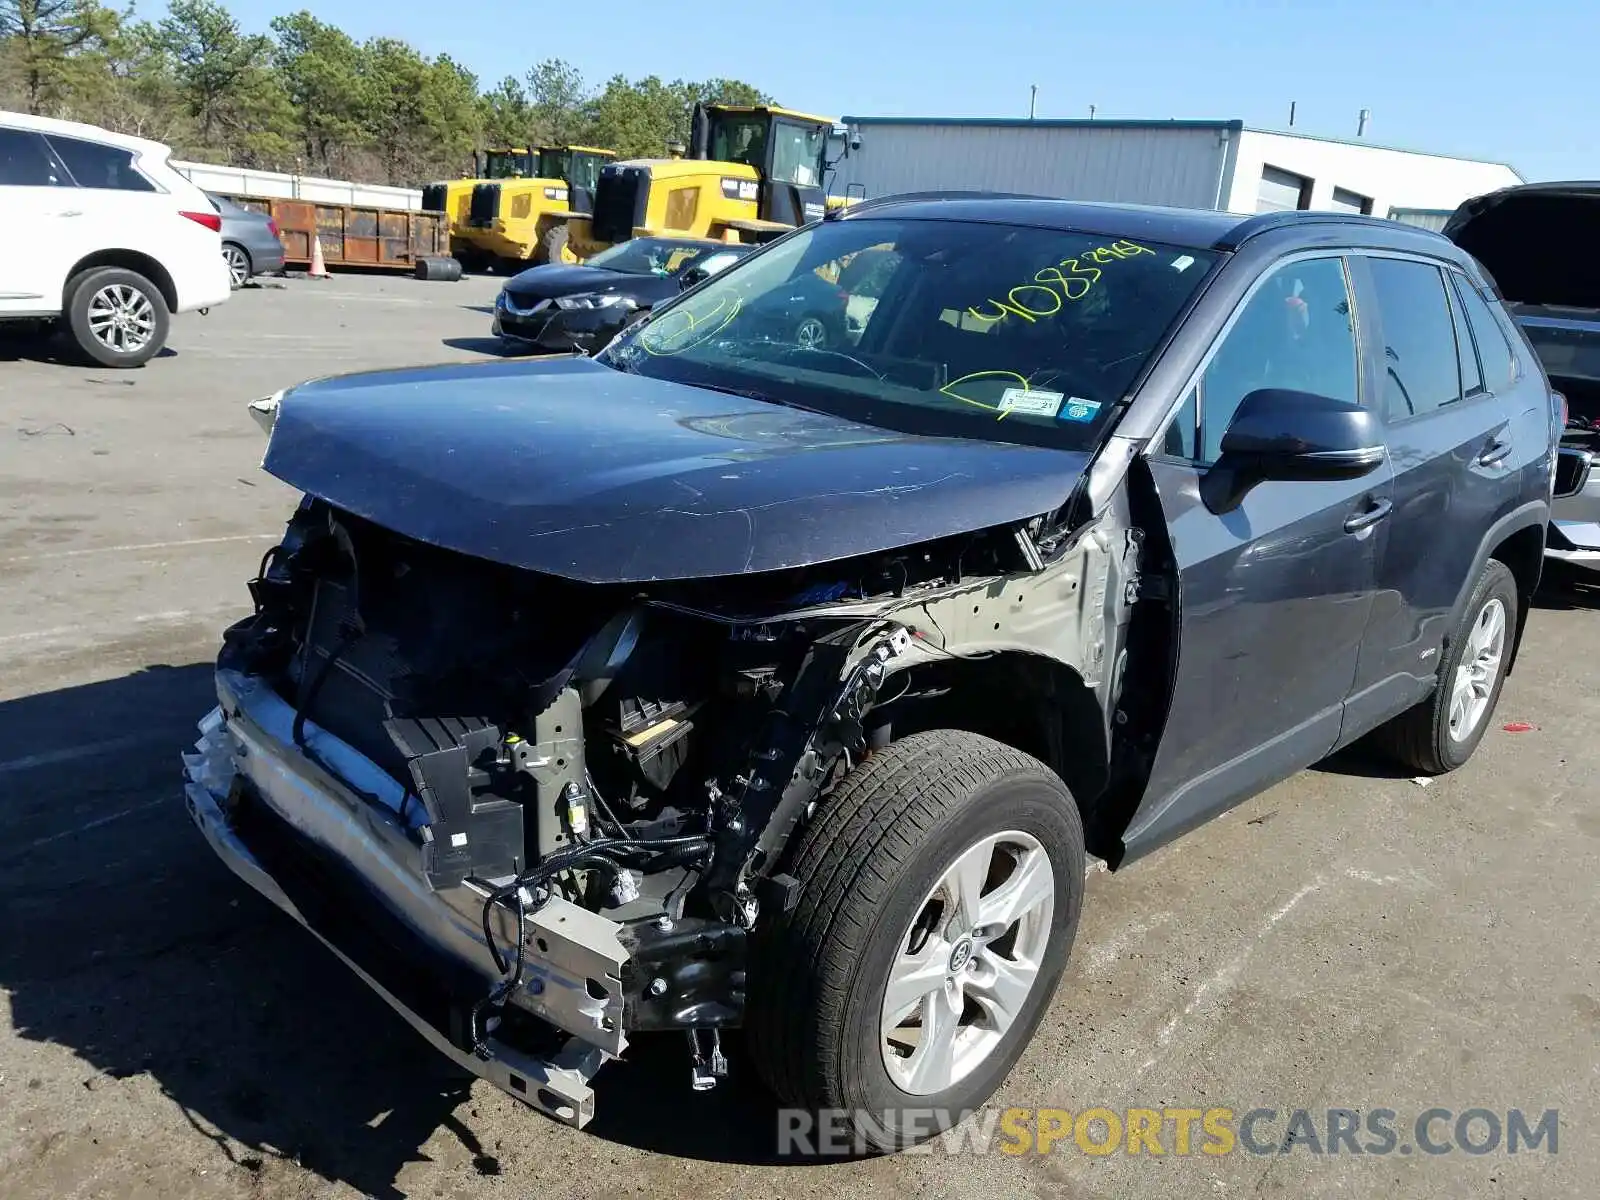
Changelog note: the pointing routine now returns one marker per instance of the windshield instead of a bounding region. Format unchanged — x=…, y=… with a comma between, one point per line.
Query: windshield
x=938, y=327
x=740, y=139
x=507, y=164
x=554, y=164
x=1570, y=349
x=647, y=256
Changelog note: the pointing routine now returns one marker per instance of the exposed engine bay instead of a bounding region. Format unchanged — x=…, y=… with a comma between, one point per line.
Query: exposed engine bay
x=643, y=752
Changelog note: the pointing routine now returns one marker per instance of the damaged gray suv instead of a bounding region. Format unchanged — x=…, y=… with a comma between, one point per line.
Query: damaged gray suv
x=749, y=677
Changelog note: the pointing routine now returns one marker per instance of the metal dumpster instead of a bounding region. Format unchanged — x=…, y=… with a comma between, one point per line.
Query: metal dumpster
x=354, y=236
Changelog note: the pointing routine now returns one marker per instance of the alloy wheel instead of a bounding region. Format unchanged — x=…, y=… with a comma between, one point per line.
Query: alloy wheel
x=811, y=333
x=968, y=963
x=122, y=318
x=1478, y=670
x=238, y=265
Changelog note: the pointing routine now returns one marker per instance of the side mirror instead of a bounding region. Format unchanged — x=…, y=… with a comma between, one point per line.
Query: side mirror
x=687, y=279
x=1281, y=434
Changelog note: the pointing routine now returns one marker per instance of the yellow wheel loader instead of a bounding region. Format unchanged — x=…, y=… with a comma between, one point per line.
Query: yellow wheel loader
x=453, y=196
x=524, y=220
x=752, y=174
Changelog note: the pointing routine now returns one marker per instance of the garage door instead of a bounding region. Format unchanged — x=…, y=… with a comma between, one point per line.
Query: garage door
x=1346, y=201
x=1282, y=191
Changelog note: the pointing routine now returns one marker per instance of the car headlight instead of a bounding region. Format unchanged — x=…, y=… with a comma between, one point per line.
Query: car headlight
x=603, y=300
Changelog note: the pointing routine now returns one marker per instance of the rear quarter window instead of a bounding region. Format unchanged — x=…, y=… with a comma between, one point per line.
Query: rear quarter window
x=1494, y=350
x=95, y=165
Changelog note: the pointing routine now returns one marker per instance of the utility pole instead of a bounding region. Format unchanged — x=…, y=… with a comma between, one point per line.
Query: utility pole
x=1033, y=100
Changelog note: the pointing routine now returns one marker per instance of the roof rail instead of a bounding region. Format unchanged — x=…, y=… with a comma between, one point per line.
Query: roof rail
x=920, y=197
x=1259, y=223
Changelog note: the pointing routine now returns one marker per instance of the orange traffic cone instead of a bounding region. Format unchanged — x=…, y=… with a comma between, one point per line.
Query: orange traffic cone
x=319, y=269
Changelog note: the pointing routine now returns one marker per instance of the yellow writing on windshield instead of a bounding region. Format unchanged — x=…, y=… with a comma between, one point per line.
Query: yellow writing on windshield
x=1053, y=287
x=682, y=328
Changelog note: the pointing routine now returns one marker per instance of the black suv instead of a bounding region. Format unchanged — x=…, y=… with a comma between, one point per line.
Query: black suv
x=733, y=678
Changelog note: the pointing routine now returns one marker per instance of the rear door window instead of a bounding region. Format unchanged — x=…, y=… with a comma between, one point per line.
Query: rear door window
x=26, y=161
x=95, y=165
x=1422, y=371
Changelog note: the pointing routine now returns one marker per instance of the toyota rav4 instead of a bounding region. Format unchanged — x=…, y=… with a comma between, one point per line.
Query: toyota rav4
x=733, y=679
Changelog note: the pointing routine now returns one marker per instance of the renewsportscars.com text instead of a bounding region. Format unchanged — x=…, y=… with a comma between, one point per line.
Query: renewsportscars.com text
x=1182, y=1132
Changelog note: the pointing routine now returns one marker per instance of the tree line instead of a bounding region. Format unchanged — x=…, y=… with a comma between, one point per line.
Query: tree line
x=310, y=98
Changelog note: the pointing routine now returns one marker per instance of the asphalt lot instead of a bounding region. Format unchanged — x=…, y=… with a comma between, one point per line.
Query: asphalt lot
x=1348, y=940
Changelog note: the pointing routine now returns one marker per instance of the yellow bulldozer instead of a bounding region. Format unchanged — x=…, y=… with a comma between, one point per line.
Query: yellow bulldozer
x=515, y=210
x=751, y=174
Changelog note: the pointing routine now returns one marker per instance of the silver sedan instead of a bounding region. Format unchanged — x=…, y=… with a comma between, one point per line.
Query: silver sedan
x=250, y=244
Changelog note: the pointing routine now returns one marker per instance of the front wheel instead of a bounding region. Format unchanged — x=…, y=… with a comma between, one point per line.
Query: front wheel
x=553, y=245
x=811, y=333
x=1441, y=733
x=940, y=886
x=117, y=317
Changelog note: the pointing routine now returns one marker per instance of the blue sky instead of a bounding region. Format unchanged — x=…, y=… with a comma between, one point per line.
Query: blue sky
x=1512, y=82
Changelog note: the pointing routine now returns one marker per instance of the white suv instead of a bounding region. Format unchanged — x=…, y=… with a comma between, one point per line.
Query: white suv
x=101, y=236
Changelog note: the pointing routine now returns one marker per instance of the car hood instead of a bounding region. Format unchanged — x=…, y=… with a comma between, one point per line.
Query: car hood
x=1535, y=241
x=551, y=280
x=575, y=469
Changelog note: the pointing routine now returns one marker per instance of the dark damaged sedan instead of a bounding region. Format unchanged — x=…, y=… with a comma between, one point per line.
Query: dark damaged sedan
x=565, y=306
x=726, y=680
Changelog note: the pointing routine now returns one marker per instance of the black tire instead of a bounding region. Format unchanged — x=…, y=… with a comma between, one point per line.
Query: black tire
x=238, y=259
x=552, y=242
x=438, y=269
x=85, y=291
x=1421, y=738
x=873, y=852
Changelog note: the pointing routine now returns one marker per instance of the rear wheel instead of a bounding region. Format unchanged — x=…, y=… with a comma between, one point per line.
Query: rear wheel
x=1441, y=733
x=239, y=268
x=940, y=886
x=117, y=317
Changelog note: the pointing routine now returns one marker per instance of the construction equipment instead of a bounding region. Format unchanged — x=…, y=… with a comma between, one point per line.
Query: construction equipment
x=521, y=219
x=753, y=173
x=453, y=196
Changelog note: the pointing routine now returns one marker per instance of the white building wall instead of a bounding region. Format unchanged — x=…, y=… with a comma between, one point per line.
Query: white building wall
x=1390, y=178
x=1179, y=164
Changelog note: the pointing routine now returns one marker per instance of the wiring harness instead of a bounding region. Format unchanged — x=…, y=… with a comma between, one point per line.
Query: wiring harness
x=531, y=891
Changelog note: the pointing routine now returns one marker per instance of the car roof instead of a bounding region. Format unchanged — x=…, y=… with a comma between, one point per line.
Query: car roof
x=93, y=133
x=1194, y=228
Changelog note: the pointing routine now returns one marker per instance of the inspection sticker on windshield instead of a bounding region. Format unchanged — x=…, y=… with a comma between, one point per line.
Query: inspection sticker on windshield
x=1034, y=402
x=1079, y=409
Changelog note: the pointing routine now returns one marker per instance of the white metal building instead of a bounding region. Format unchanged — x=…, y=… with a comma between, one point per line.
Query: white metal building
x=1191, y=164
x=275, y=185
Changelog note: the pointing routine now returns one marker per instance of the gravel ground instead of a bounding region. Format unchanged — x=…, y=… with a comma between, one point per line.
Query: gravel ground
x=1347, y=940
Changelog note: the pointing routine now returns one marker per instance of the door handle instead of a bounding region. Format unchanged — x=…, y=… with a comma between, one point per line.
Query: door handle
x=1375, y=511
x=1498, y=450
x=71, y=212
